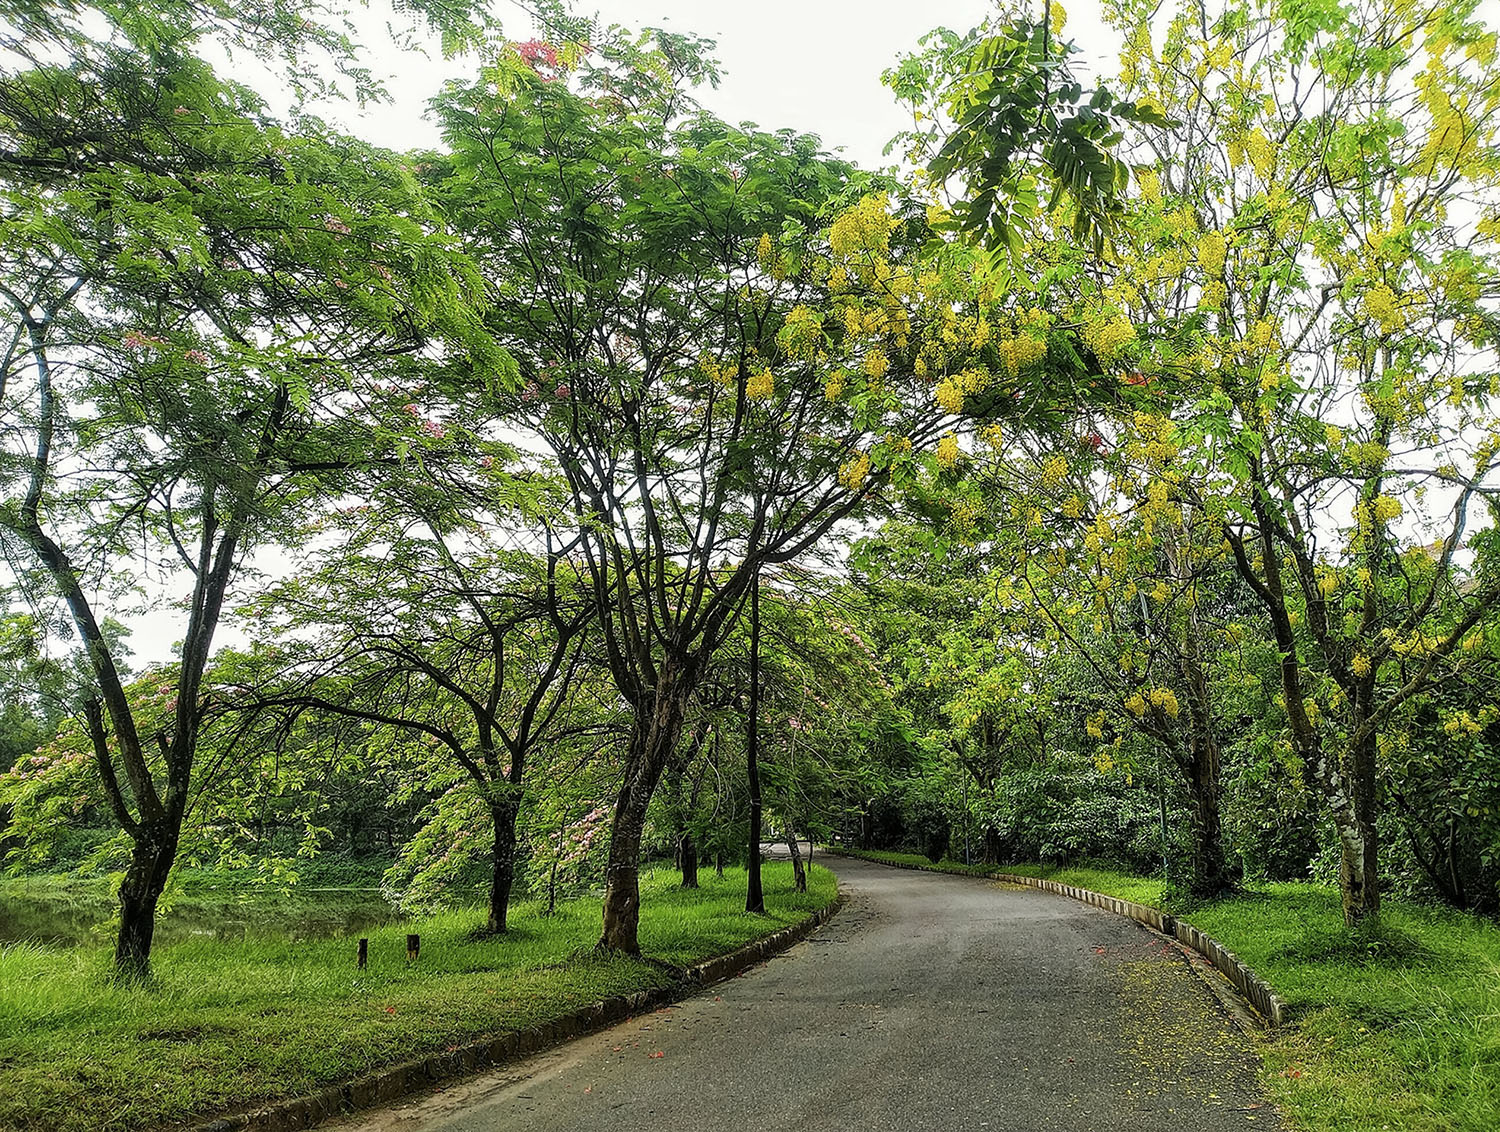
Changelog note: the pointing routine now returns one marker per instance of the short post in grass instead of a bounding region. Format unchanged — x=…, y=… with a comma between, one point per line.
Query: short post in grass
x=413, y=947
x=363, y=958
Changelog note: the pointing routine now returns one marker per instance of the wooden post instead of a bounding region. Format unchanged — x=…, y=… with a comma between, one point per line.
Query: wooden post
x=364, y=953
x=413, y=947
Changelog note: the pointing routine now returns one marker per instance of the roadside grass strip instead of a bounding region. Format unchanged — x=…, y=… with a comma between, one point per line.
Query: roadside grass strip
x=229, y=1023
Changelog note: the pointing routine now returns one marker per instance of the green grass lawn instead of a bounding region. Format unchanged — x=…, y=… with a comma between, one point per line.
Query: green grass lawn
x=230, y=1022
x=1395, y=1028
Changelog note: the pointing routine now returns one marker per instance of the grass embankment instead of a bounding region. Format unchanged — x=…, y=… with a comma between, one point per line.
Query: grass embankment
x=226, y=1023
x=1392, y=1028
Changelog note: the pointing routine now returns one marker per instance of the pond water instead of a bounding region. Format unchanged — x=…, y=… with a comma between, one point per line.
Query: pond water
x=52, y=911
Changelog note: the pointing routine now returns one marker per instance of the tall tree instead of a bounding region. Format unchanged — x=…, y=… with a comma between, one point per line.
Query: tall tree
x=202, y=309
x=722, y=374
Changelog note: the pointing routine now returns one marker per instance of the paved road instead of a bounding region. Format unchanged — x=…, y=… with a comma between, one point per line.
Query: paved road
x=929, y=1003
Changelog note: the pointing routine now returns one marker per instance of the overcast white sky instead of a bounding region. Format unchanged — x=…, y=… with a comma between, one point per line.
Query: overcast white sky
x=813, y=65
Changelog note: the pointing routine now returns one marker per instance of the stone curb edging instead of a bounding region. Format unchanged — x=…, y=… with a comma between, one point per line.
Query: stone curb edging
x=404, y=1078
x=1271, y=1007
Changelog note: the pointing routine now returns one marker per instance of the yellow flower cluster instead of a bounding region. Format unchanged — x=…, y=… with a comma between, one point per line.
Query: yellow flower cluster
x=1164, y=699
x=876, y=364
x=1054, y=470
x=947, y=451
x=994, y=436
x=833, y=388
x=1462, y=723
x=1108, y=334
x=865, y=227
x=1135, y=703
x=802, y=333
x=897, y=444
x=765, y=251
x=723, y=374
x=1361, y=665
x=1386, y=508
x=760, y=386
x=1095, y=725
x=853, y=473
x=1021, y=351
x=1212, y=250
x=1384, y=306
x=1370, y=455
x=964, y=514
x=952, y=390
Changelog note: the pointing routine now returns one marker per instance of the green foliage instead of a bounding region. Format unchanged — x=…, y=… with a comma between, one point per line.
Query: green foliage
x=1014, y=127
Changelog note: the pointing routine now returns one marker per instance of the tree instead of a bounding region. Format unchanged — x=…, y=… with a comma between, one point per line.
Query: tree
x=202, y=307
x=722, y=375
x=1299, y=292
x=428, y=624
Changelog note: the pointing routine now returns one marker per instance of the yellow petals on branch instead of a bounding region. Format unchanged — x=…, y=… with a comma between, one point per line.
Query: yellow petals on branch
x=1360, y=665
x=1107, y=334
x=1022, y=351
x=1164, y=699
x=1386, y=508
x=760, y=386
x=1212, y=251
x=1384, y=306
x=1095, y=725
x=765, y=251
x=947, y=451
x=864, y=228
x=833, y=388
x=801, y=333
x=853, y=473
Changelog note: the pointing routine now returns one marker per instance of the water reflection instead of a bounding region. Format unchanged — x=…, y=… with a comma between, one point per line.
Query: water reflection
x=60, y=915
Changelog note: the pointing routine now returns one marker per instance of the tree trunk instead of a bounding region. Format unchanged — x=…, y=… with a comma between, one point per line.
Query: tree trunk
x=503, y=866
x=797, y=870
x=653, y=737
x=687, y=850
x=1359, y=864
x=1210, y=870
x=151, y=860
x=755, y=896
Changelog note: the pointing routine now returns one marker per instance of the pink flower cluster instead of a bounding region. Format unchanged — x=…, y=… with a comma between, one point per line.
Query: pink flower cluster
x=537, y=53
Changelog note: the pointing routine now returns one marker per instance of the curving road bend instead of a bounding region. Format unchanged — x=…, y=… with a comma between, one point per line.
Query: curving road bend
x=930, y=1002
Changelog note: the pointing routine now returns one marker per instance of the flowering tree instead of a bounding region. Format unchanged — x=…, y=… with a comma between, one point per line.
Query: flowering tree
x=730, y=343
x=1307, y=286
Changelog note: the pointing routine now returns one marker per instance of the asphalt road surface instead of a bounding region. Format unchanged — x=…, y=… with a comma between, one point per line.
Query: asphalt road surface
x=929, y=1003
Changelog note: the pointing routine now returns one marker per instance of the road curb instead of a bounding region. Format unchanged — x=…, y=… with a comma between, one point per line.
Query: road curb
x=407, y=1077
x=1269, y=1007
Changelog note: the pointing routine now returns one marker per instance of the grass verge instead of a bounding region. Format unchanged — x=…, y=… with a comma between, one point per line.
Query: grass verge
x=228, y=1023
x=1393, y=1027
